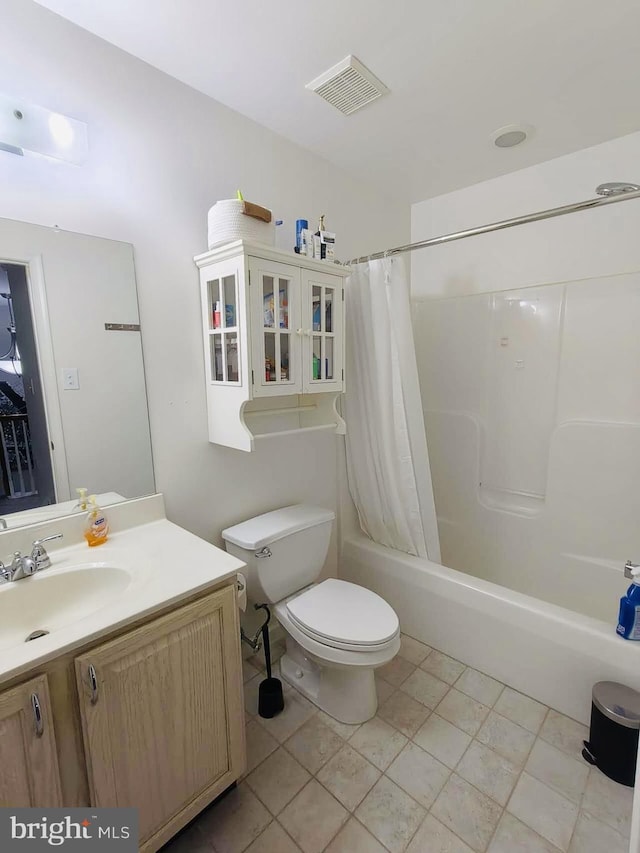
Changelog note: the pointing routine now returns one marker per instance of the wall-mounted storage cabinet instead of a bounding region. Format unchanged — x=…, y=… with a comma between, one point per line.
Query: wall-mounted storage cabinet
x=273, y=330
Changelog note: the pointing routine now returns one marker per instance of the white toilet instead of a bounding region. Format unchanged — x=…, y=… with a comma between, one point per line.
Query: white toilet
x=337, y=632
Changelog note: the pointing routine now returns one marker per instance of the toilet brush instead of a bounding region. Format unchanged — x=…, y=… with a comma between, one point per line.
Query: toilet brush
x=270, y=696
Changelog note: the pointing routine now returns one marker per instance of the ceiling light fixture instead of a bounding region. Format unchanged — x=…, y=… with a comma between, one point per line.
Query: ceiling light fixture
x=29, y=128
x=511, y=135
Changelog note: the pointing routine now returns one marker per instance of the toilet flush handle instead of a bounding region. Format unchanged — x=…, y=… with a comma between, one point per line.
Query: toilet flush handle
x=263, y=552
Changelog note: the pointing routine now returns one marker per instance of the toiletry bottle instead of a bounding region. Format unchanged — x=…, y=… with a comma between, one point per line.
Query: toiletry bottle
x=629, y=617
x=283, y=310
x=81, y=506
x=216, y=315
x=301, y=225
x=307, y=243
x=317, y=240
x=96, y=529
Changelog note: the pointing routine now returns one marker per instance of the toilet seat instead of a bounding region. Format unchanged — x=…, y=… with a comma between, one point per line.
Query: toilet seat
x=343, y=615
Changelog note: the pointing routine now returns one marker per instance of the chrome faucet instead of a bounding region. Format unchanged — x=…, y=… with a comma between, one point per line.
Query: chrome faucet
x=24, y=567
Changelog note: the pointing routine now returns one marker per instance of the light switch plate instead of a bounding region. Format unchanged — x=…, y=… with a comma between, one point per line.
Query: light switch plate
x=70, y=379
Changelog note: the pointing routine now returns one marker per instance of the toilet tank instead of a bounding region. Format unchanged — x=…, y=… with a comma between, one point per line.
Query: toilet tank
x=284, y=550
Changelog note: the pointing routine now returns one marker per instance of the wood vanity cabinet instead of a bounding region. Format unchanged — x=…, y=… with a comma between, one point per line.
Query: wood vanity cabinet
x=28, y=759
x=152, y=718
x=162, y=717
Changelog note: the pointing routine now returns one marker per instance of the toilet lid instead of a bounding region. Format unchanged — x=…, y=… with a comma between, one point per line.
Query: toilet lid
x=345, y=613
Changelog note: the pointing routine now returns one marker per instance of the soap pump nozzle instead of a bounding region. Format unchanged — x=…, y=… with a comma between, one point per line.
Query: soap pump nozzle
x=82, y=499
x=632, y=571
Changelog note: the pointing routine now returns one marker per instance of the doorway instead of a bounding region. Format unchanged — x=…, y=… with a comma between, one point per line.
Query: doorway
x=26, y=476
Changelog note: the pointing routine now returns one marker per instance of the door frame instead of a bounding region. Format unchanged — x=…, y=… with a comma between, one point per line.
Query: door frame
x=34, y=269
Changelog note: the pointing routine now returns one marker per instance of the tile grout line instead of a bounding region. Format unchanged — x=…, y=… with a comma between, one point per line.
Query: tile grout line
x=474, y=740
x=396, y=688
x=293, y=841
x=522, y=770
x=453, y=770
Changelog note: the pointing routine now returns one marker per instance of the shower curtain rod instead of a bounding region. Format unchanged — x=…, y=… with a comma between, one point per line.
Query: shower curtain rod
x=505, y=223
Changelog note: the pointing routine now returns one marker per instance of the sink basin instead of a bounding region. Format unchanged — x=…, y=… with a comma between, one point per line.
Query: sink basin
x=51, y=600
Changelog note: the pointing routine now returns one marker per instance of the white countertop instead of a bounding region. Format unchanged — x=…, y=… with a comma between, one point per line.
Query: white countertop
x=53, y=511
x=166, y=565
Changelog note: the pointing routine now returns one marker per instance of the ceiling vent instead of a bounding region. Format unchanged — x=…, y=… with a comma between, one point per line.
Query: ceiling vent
x=348, y=86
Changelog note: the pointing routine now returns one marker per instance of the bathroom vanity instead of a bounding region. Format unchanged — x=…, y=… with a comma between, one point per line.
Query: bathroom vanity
x=134, y=696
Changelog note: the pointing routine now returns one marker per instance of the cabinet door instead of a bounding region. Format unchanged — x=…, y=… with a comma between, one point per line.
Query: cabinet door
x=322, y=322
x=275, y=327
x=28, y=759
x=223, y=317
x=162, y=714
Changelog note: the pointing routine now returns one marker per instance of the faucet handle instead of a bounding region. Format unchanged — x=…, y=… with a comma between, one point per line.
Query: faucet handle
x=22, y=567
x=39, y=554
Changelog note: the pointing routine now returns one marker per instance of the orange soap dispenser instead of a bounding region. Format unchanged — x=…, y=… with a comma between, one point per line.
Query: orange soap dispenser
x=96, y=529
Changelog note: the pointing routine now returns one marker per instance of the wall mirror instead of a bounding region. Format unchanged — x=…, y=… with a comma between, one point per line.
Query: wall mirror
x=73, y=403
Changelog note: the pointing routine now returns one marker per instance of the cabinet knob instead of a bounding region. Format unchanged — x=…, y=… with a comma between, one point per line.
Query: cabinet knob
x=300, y=332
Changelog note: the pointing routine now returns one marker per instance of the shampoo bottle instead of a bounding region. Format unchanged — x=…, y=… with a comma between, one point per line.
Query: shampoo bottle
x=629, y=617
x=96, y=529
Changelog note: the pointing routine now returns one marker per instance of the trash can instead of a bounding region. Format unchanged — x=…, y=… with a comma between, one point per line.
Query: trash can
x=613, y=735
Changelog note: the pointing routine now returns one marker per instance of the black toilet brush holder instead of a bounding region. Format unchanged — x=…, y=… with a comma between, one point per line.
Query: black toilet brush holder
x=270, y=694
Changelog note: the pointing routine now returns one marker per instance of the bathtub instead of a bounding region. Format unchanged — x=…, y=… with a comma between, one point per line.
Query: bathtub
x=548, y=652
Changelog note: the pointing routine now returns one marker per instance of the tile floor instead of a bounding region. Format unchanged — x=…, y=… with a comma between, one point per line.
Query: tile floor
x=453, y=762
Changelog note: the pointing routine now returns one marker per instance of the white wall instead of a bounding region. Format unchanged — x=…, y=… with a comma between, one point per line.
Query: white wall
x=581, y=245
x=161, y=155
x=530, y=393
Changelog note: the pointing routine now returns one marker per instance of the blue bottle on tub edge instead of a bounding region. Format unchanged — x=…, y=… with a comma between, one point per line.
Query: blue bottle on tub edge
x=629, y=617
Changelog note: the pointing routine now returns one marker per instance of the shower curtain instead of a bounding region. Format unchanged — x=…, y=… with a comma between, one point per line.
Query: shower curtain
x=387, y=460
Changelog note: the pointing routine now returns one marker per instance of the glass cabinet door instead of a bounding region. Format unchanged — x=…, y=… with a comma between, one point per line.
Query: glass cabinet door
x=222, y=323
x=323, y=336
x=275, y=294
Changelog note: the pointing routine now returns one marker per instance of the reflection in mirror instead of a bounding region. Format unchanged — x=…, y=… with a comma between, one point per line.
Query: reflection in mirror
x=73, y=406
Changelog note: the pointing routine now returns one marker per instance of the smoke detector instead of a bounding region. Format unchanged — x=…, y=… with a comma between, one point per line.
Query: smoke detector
x=348, y=86
x=511, y=135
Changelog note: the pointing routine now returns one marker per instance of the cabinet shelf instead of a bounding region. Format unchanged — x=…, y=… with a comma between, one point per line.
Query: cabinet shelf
x=279, y=369
x=283, y=411
x=293, y=413
x=283, y=432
